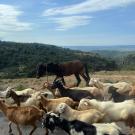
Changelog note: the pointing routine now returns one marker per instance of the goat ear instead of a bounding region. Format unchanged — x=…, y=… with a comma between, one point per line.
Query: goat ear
x=3, y=100
x=95, y=80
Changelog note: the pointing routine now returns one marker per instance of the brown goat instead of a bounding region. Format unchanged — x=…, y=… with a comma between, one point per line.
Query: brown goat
x=51, y=104
x=21, y=115
x=17, y=98
x=48, y=86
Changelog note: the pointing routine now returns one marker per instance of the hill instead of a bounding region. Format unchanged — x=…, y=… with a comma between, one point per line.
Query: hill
x=119, y=48
x=20, y=59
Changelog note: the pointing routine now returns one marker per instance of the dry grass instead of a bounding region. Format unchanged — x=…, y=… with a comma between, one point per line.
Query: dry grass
x=115, y=76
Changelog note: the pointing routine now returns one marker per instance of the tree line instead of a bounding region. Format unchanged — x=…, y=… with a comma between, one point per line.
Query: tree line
x=20, y=59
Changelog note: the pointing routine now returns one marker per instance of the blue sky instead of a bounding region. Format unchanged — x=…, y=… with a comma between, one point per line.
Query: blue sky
x=68, y=22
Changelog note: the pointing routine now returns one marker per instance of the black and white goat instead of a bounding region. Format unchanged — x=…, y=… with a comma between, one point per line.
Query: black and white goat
x=75, y=94
x=75, y=127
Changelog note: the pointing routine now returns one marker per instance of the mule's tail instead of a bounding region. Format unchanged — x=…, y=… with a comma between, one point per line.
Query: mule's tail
x=86, y=71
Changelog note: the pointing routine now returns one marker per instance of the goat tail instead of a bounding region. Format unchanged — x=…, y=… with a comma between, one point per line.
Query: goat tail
x=86, y=71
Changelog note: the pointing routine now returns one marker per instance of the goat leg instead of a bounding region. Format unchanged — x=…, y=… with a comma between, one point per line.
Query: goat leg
x=46, y=131
x=19, y=130
x=34, y=128
x=10, y=128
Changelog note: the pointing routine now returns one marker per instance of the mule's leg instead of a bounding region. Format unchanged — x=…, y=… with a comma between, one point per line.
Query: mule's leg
x=18, y=128
x=85, y=78
x=34, y=128
x=78, y=79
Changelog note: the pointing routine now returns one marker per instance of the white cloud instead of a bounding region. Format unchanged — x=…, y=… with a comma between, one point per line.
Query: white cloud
x=87, y=6
x=69, y=22
x=9, y=21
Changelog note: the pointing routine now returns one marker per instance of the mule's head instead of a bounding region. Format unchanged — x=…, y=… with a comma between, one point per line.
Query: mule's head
x=41, y=70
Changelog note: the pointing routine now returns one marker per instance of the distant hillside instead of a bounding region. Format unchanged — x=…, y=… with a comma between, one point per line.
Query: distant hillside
x=20, y=59
x=124, y=55
x=103, y=48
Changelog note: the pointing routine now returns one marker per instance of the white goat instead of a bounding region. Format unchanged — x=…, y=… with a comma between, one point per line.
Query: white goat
x=123, y=87
x=33, y=100
x=88, y=116
x=27, y=91
x=107, y=128
x=123, y=111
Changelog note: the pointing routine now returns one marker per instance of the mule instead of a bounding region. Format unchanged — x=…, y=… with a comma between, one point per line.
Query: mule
x=75, y=67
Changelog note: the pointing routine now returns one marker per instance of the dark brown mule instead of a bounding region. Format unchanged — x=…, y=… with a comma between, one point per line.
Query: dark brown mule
x=60, y=70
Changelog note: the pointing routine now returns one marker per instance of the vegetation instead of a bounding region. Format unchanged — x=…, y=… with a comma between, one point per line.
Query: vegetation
x=20, y=59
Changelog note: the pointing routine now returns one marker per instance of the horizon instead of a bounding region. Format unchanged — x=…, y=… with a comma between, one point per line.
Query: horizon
x=71, y=45
x=70, y=23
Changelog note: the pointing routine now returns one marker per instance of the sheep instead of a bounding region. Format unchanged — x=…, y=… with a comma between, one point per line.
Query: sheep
x=17, y=98
x=51, y=104
x=89, y=116
x=123, y=87
x=22, y=115
x=116, y=96
x=123, y=111
x=76, y=95
x=76, y=127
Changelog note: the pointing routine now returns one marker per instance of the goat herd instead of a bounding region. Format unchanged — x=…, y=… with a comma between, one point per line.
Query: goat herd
x=91, y=110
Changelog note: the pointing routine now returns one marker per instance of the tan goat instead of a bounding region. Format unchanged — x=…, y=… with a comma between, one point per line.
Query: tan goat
x=51, y=104
x=132, y=92
x=22, y=115
x=89, y=116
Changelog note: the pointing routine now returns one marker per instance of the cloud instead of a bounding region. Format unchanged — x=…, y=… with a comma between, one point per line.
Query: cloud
x=87, y=6
x=9, y=21
x=69, y=22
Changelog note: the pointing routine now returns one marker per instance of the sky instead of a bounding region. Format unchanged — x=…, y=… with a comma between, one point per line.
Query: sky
x=68, y=22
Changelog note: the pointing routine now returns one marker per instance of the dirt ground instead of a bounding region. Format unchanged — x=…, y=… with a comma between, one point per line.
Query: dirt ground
x=114, y=76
